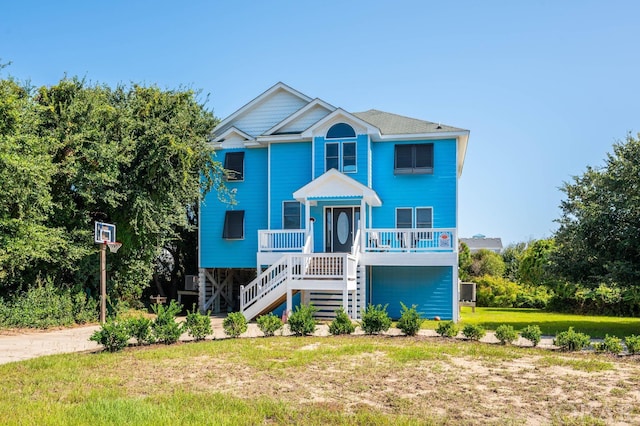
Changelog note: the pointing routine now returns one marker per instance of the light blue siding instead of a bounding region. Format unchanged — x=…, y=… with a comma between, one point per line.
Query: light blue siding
x=427, y=287
x=437, y=190
x=290, y=171
x=251, y=196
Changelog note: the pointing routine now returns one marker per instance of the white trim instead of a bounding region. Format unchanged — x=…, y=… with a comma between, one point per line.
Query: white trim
x=269, y=186
x=396, y=216
x=326, y=223
x=299, y=113
x=347, y=117
x=278, y=86
x=335, y=184
x=229, y=131
x=340, y=143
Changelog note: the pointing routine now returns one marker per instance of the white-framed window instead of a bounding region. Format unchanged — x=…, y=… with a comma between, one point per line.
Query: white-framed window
x=233, y=225
x=234, y=166
x=341, y=156
x=424, y=217
x=291, y=215
x=404, y=217
x=413, y=158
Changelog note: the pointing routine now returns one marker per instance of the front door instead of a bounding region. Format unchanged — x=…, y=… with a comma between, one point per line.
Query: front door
x=341, y=222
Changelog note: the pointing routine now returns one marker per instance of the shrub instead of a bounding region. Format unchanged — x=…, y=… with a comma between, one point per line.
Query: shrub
x=46, y=305
x=633, y=344
x=375, y=319
x=85, y=309
x=140, y=328
x=198, y=325
x=301, y=321
x=234, y=324
x=112, y=335
x=473, y=332
x=341, y=324
x=571, y=340
x=610, y=344
x=447, y=329
x=410, y=320
x=269, y=324
x=532, y=333
x=506, y=334
x=165, y=328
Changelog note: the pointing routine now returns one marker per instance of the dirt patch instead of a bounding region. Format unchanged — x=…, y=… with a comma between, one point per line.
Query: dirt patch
x=453, y=388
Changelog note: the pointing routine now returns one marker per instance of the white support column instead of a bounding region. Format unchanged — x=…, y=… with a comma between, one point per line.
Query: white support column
x=456, y=295
x=362, y=224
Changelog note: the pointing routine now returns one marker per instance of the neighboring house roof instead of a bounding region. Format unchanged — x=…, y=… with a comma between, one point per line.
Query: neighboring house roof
x=479, y=243
x=394, y=124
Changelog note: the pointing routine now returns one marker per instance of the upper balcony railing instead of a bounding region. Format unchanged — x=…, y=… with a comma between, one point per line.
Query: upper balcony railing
x=377, y=240
x=416, y=240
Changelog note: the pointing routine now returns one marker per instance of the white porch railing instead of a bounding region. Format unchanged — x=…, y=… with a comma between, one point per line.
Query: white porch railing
x=417, y=240
x=291, y=240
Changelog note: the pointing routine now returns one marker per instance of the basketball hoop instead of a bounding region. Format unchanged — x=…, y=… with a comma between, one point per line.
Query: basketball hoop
x=113, y=247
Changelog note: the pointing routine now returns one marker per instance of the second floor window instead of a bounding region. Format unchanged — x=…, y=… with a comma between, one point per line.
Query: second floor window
x=413, y=159
x=340, y=156
x=234, y=166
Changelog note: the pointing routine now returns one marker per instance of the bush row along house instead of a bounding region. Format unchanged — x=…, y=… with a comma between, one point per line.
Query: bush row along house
x=332, y=207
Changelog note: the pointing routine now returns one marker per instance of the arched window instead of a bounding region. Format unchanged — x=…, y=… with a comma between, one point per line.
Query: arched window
x=341, y=130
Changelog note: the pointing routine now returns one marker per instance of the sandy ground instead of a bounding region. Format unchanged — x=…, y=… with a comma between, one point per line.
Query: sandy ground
x=18, y=345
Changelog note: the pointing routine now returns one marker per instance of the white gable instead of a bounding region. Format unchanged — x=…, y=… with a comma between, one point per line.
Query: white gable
x=268, y=113
x=265, y=111
x=303, y=119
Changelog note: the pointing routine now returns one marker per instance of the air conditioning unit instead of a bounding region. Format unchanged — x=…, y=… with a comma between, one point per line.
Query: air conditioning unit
x=191, y=282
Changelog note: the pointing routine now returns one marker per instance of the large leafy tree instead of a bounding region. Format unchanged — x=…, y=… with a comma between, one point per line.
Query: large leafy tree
x=28, y=241
x=134, y=156
x=598, y=240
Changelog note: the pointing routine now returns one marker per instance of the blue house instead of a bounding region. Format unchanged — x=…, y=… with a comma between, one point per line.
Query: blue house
x=332, y=207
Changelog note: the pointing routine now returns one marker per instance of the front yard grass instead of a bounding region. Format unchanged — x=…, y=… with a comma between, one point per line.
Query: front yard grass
x=357, y=380
x=550, y=322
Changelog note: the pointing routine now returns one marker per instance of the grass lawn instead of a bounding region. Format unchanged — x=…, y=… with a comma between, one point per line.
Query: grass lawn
x=352, y=380
x=550, y=322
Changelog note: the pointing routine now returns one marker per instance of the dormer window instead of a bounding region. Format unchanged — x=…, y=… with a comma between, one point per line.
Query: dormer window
x=341, y=131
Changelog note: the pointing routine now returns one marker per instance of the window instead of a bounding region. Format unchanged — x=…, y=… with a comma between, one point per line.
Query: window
x=414, y=159
x=341, y=156
x=332, y=156
x=291, y=215
x=341, y=131
x=233, y=225
x=348, y=157
x=404, y=218
x=234, y=165
x=424, y=217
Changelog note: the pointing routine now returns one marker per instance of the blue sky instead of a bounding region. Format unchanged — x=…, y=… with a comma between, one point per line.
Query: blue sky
x=545, y=87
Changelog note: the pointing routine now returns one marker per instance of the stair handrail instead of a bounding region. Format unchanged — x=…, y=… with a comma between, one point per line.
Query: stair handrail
x=263, y=284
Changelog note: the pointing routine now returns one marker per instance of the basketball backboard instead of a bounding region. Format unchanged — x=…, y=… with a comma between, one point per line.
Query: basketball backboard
x=105, y=233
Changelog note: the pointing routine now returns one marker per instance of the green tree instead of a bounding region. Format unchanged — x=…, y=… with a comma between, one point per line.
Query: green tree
x=535, y=264
x=464, y=261
x=28, y=240
x=74, y=153
x=485, y=262
x=512, y=255
x=597, y=240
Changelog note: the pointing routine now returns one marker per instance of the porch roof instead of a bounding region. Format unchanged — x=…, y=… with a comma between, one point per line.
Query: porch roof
x=333, y=184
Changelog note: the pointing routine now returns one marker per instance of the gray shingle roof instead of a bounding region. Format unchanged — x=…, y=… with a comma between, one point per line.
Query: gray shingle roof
x=475, y=244
x=394, y=124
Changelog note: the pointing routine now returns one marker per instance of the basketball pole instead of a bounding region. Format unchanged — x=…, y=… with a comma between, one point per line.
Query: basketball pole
x=103, y=282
